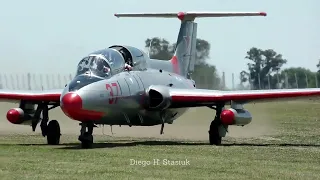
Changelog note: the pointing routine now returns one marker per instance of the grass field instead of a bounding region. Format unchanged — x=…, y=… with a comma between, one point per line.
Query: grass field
x=281, y=143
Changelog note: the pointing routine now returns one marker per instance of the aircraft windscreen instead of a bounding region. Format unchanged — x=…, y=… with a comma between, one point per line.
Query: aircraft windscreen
x=82, y=80
x=103, y=63
x=95, y=64
x=114, y=58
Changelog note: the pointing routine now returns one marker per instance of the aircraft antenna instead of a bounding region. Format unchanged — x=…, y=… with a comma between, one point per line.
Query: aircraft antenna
x=162, y=127
x=163, y=114
x=111, y=129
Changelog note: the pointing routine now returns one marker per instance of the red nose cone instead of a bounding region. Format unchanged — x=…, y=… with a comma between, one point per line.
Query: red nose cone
x=13, y=116
x=72, y=101
x=71, y=104
x=227, y=117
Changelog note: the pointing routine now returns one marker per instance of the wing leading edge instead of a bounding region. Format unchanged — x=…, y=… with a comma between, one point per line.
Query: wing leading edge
x=204, y=97
x=16, y=95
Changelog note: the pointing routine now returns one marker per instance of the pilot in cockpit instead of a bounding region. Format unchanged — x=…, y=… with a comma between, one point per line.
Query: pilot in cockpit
x=103, y=67
x=127, y=67
x=128, y=61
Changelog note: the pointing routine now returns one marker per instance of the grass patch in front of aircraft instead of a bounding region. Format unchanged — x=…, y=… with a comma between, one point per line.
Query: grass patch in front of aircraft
x=293, y=152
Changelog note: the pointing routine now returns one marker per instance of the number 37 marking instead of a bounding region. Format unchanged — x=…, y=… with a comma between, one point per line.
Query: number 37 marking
x=114, y=92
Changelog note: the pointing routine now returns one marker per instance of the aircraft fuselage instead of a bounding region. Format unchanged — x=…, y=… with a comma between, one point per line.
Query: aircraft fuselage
x=120, y=100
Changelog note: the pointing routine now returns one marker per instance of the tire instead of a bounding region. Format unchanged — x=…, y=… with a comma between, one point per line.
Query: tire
x=54, y=133
x=214, y=136
x=86, y=141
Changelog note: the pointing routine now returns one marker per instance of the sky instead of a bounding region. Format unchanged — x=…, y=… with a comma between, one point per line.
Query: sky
x=52, y=36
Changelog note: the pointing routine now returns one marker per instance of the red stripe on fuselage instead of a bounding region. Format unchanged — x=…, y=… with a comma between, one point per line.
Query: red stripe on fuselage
x=175, y=64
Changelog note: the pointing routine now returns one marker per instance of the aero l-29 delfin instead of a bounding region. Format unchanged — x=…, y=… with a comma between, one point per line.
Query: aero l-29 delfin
x=121, y=85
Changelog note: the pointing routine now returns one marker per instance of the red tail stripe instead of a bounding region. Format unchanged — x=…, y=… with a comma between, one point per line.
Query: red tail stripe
x=175, y=64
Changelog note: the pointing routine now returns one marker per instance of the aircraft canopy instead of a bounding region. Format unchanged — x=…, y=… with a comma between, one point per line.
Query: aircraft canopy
x=103, y=63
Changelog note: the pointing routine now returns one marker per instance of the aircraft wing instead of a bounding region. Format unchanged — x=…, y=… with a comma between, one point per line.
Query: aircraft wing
x=203, y=97
x=16, y=95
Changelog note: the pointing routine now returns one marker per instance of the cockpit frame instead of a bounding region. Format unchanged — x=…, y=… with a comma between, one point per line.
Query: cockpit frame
x=96, y=64
x=133, y=56
x=113, y=60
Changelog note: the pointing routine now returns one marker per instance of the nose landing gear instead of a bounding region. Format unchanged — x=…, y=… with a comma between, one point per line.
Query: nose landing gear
x=53, y=134
x=86, y=137
x=51, y=129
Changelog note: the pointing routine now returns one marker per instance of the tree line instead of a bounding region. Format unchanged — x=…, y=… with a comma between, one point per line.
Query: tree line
x=264, y=71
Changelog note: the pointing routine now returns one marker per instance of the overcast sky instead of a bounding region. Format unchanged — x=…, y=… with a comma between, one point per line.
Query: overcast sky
x=52, y=36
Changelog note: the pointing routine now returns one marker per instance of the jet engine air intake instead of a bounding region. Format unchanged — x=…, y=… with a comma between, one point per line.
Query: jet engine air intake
x=155, y=98
x=158, y=98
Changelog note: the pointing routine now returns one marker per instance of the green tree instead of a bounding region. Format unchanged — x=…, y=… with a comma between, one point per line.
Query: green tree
x=298, y=77
x=163, y=50
x=244, y=76
x=204, y=74
x=160, y=48
x=263, y=68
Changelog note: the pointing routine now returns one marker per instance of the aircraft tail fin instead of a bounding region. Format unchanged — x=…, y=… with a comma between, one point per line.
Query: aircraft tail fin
x=184, y=57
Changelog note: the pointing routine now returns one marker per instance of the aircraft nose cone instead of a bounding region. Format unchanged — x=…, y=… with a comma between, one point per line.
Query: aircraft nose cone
x=71, y=100
x=71, y=103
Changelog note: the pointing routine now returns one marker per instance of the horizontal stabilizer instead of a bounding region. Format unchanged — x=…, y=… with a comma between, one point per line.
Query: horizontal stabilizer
x=191, y=15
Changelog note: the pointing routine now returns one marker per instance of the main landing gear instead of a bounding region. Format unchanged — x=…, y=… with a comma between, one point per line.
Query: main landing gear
x=86, y=136
x=51, y=129
x=217, y=129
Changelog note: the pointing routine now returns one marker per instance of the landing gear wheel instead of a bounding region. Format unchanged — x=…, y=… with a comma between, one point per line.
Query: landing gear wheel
x=86, y=137
x=53, y=133
x=86, y=140
x=214, y=136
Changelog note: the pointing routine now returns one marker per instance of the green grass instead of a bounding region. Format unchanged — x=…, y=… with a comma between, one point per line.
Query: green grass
x=294, y=153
